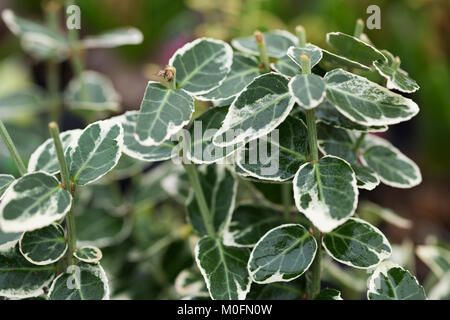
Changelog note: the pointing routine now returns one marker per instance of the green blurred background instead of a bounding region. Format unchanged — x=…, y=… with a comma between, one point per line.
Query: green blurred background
x=416, y=30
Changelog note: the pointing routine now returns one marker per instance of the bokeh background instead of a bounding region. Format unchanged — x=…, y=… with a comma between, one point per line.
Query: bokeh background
x=416, y=30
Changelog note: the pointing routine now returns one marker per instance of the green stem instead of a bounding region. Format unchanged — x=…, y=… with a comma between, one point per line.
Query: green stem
x=12, y=149
x=301, y=35
x=313, y=279
x=194, y=179
x=359, y=27
x=65, y=177
x=359, y=141
x=262, y=48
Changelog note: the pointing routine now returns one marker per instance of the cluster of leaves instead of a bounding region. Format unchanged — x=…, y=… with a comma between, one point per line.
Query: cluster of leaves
x=247, y=250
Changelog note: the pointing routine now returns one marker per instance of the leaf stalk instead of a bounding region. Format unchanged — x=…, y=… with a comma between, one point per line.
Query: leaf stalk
x=12, y=149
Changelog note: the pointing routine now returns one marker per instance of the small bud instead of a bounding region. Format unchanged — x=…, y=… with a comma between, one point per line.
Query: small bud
x=299, y=28
x=304, y=56
x=258, y=36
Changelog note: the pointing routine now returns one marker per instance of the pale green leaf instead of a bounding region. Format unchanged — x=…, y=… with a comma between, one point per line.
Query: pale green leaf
x=96, y=152
x=286, y=66
x=366, y=102
x=243, y=70
x=392, y=282
x=163, y=113
x=38, y=40
x=92, y=91
x=327, y=112
x=286, y=152
x=219, y=188
x=135, y=149
x=385, y=214
x=277, y=43
x=441, y=290
x=308, y=90
x=357, y=243
x=326, y=192
x=88, y=254
x=32, y=202
x=259, y=109
x=18, y=277
x=354, y=48
x=202, y=65
x=202, y=149
x=114, y=38
x=249, y=223
x=85, y=282
x=436, y=258
x=328, y=294
x=5, y=182
x=282, y=254
x=313, y=52
x=20, y=104
x=224, y=269
x=393, y=167
x=44, y=157
x=44, y=246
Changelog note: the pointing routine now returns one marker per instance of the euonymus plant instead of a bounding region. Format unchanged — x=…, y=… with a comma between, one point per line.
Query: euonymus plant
x=285, y=114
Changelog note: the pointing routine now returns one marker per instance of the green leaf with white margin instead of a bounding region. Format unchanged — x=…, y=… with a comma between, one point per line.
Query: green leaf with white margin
x=224, y=269
x=85, y=282
x=327, y=112
x=436, y=258
x=312, y=51
x=397, y=78
x=288, y=151
x=88, y=254
x=243, y=70
x=5, y=182
x=392, y=282
x=286, y=67
x=441, y=290
x=202, y=150
x=259, y=109
x=33, y=201
x=331, y=61
x=277, y=43
x=308, y=90
x=282, y=254
x=44, y=246
x=326, y=192
x=249, y=223
x=92, y=91
x=114, y=38
x=366, y=102
x=44, y=157
x=370, y=208
x=189, y=282
x=202, y=65
x=163, y=113
x=96, y=152
x=393, y=167
x=354, y=48
x=38, y=40
x=357, y=243
x=20, y=104
x=340, y=143
x=328, y=294
x=219, y=188
x=135, y=149
x=18, y=277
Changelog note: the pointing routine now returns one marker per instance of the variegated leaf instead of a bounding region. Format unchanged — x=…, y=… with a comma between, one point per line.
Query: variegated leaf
x=224, y=269
x=114, y=38
x=32, y=202
x=282, y=254
x=277, y=43
x=88, y=254
x=332, y=61
x=202, y=65
x=328, y=294
x=96, y=152
x=313, y=52
x=326, y=192
x=5, y=182
x=259, y=109
x=44, y=246
x=308, y=90
x=163, y=113
x=357, y=243
x=286, y=66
